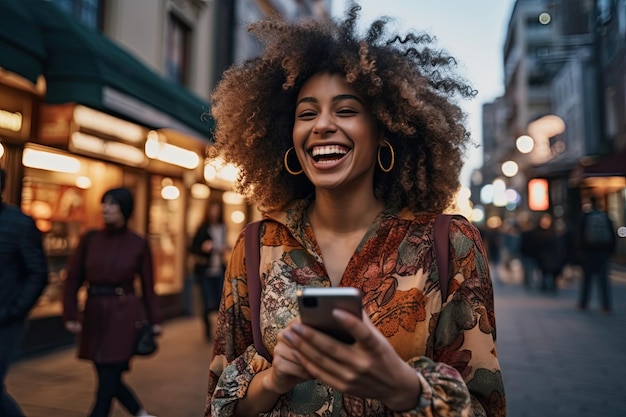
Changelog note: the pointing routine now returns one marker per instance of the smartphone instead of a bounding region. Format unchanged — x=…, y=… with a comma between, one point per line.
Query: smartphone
x=317, y=303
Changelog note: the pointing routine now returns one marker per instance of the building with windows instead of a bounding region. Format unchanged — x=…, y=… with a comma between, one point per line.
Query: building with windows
x=564, y=89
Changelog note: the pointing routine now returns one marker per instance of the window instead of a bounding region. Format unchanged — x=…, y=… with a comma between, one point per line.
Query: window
x=89, y=12
x=177, y=49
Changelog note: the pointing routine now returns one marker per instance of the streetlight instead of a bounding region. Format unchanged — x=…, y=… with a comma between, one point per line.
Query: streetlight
x=510, y=168
x=525, y=144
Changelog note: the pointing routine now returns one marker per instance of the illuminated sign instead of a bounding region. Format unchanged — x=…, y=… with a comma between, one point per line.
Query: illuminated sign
x=538, y=197
x=10, y=121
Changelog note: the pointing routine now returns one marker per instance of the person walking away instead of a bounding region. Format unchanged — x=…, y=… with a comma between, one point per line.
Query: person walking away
x=108, y=261
x=494, y=245
x=351, y=144
x=597, y=242
x=23, y=277
x=211, y=249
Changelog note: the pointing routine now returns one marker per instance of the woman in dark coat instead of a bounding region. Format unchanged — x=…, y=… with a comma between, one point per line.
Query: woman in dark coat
x=108, y=262
x=210, y=247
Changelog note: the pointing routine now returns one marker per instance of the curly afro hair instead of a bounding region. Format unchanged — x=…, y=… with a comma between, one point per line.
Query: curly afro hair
x=412, y=89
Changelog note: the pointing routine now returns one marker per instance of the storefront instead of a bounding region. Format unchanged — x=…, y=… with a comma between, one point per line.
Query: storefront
x=89, y=118
x=65, y=168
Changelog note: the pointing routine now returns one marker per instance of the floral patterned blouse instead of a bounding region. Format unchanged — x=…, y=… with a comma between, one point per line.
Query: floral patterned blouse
x=452, y=348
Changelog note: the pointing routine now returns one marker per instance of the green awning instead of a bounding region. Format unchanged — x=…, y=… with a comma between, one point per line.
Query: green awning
x=83, y=66
x=21, y=42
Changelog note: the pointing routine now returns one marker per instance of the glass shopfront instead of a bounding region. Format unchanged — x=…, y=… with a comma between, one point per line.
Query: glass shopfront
x=66, y=204
x=62, y=192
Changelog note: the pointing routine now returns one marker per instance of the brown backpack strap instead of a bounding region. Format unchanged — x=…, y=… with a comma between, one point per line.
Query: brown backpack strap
x=442, y=239
x=254, y=284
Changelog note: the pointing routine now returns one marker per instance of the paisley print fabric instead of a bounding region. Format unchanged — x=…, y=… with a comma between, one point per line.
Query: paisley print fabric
x=452, y=349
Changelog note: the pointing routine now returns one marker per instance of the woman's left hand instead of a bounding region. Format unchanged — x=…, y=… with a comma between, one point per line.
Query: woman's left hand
x=368, y=368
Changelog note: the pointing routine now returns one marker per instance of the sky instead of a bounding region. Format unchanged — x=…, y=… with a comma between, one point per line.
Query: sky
x=472, y=31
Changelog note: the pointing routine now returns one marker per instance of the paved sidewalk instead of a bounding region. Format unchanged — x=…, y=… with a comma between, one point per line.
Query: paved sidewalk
x=556, y=361
x=170, y=384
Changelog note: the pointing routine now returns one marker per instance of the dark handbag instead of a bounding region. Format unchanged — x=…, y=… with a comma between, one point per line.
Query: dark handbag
x=145, y=341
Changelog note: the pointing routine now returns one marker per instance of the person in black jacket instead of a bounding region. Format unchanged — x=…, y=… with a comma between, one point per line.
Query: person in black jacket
x=596, y=241
x=23, y=276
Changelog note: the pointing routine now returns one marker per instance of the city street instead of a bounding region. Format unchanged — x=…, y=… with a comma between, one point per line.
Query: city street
x=557, y=361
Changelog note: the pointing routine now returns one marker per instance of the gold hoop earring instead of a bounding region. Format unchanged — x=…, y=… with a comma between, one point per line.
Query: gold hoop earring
x=393, y=157
x=289, y=170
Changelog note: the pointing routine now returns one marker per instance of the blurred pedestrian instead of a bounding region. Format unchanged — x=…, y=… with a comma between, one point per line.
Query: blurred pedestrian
x=108, y=261
x=597, y=241
x=550, y=252
x=23, y=277
x=511, y=243
x=494, y=243
x=351, y=144
x=211, y=249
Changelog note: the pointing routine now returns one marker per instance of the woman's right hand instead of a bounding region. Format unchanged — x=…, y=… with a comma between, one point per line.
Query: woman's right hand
x=268, y=385
x=286, y=371
x=73, y=326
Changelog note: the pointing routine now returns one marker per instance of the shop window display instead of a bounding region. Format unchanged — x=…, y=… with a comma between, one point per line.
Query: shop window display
x=165, y=232
x=59, y=212
x=64, y=208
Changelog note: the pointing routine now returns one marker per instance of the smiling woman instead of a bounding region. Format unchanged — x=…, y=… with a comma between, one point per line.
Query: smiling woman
x=351, y=145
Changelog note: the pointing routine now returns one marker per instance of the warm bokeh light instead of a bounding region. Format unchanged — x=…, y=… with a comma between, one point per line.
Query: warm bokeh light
x=157, y=148
x=11, y=120
x=170, y=192
x=216, y=169
x=50, y=161
x=116, y=150
x=538, y=199
x=237, y=216
x=545, y=18
x=494, y=222
x=200, y=191
x=110, y=125
x=83, y=182
x=478, y=214
x=232, y=198
x=510, y=168
x=525, y=144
